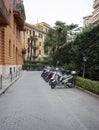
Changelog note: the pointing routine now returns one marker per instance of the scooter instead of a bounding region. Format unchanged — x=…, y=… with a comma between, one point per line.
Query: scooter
x=54, y=76
x=68, y=80
x=45, y=72
x=49, y=76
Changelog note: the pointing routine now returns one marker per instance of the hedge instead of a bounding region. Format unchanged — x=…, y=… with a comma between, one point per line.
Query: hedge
x=32, y=66
x=90, y=85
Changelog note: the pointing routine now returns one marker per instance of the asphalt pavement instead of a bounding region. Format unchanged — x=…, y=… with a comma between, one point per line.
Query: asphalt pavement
x=30, y=104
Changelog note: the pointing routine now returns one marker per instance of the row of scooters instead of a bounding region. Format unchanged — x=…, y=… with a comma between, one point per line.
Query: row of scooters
x=58, y=77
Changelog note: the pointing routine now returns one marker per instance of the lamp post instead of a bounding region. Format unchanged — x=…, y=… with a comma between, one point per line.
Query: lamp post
x=84, y=61
x=59, y=29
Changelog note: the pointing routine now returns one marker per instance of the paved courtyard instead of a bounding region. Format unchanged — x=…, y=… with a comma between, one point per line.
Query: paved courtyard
x=30, y=104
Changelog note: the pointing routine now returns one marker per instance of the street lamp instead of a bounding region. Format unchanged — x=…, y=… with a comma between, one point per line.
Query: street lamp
x=84, y=61
x=59, y=29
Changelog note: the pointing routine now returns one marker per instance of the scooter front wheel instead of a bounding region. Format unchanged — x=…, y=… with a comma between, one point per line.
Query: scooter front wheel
x=50, y=82
x=53, y=85
x=47, y=79
x=71, y=85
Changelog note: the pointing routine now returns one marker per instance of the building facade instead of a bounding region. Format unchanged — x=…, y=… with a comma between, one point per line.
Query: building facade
x=12, y=17
x=35, y=48
x=87, y=20
x=94, y=18
x=96, y=12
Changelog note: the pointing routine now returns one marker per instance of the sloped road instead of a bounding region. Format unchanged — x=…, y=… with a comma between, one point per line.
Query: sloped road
x=30, y=104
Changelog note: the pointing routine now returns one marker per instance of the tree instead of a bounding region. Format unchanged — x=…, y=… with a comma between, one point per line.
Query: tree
x=55, y=39
x=88, y=45
x=72, y=26
x=31, y=40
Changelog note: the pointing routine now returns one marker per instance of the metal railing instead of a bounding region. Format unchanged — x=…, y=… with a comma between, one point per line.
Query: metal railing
x=96, y=3
x=20, y=8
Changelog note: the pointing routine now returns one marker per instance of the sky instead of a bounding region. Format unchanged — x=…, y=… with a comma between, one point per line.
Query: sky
x=50, y=11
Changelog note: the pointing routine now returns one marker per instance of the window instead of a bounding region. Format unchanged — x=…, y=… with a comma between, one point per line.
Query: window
x=36, y=34
x=9, y=47
x=46, y=30
x=39, y=43
x=28, y=31
x=34, y=52
x=33, y=33
x=40, y=35
x=39, y=52
x=34, y=43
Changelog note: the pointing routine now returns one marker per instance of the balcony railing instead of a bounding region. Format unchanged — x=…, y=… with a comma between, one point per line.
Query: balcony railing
x=35, y=55
x=35, y=47
x=4, y=14
x=19, y=14
x=96, y=18
x=96, y=3
x=96, y=11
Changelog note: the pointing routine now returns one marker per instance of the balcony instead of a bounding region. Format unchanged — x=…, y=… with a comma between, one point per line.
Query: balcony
x=96, y=4
x=19, y=14
x=35, y=47
x=96, y=11
x=96, y=18
x=4, y=14
x=35, y=55
x=23, y=51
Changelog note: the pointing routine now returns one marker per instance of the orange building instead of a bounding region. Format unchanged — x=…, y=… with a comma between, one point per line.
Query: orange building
x=12, y=18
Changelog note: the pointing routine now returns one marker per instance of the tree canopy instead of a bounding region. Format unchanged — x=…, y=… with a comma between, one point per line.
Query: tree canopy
x=85, y=44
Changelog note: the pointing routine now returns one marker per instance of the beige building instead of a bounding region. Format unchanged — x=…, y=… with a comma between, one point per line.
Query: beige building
x=12, y=18
x=87, y=20
x=94, y=18
x=96, y=12
x=35, y=50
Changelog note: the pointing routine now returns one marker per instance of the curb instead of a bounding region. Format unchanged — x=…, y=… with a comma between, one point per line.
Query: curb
x=9, y=85
x=90, y=93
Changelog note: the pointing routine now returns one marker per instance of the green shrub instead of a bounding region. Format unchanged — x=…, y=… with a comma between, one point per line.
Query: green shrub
x=32, y=66
x=90, y=85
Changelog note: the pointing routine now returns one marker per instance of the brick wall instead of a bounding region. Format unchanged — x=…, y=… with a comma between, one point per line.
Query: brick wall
x=1, y=45
x=10, y=43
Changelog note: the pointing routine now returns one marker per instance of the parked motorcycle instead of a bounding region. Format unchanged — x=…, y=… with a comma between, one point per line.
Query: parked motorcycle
x=54, y=76
x=49, y=76
x=45, y=71
x=67, y=80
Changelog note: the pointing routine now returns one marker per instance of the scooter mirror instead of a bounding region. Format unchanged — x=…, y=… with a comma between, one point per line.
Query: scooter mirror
x=73, y=72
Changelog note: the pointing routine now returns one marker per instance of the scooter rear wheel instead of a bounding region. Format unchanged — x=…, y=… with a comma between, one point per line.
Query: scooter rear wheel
x=71, y=86
x=53, y=85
